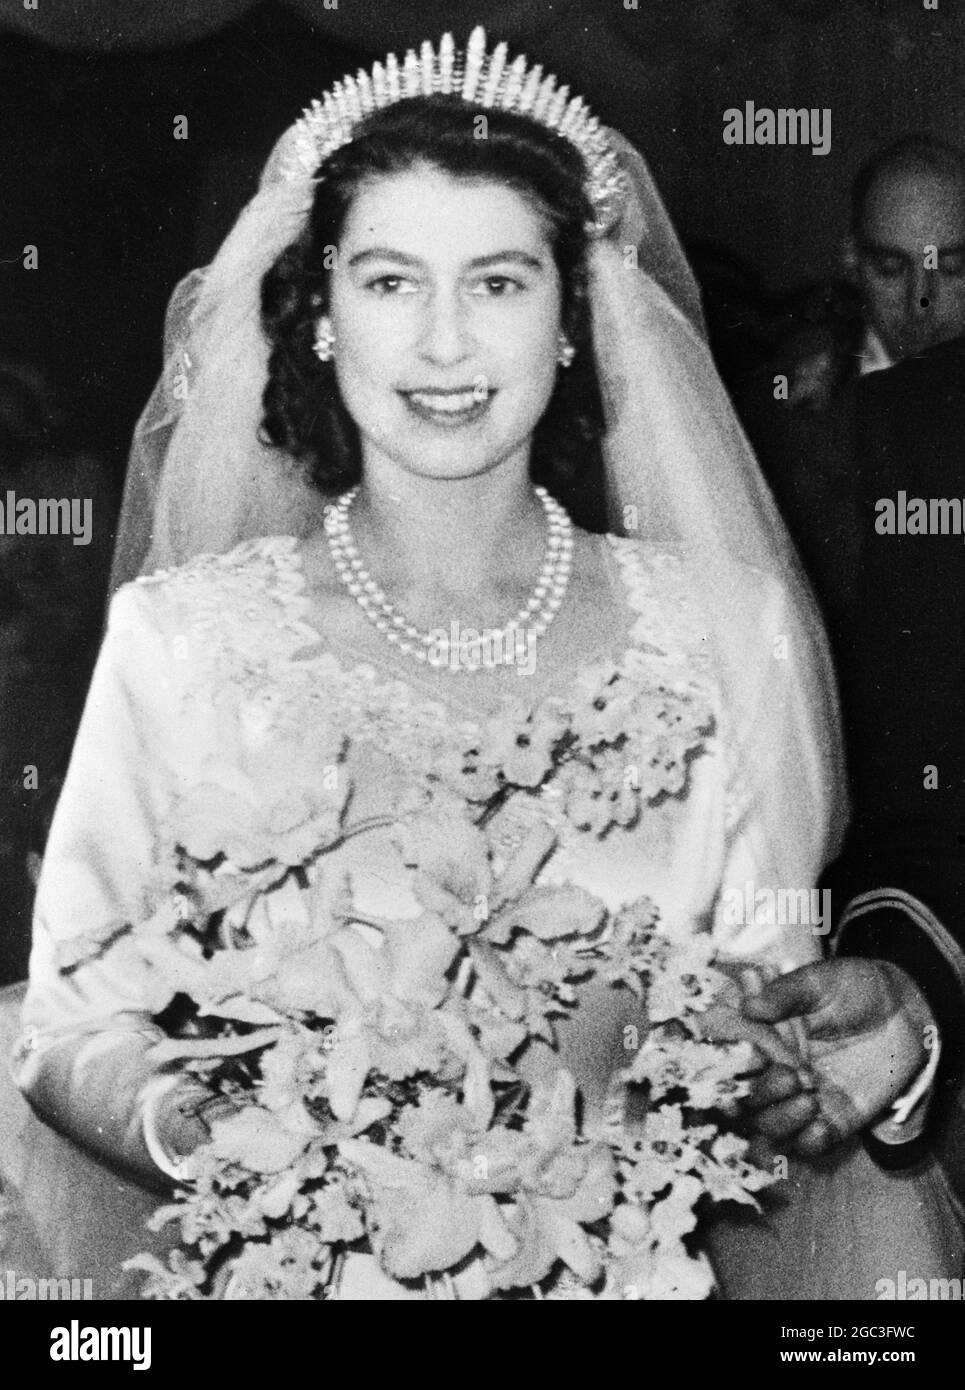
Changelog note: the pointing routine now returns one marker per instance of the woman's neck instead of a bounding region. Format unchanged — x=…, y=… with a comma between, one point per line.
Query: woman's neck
x=435, y=539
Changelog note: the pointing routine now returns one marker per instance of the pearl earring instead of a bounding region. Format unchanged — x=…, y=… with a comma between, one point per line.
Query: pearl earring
x=566, y=353
x=324, y=343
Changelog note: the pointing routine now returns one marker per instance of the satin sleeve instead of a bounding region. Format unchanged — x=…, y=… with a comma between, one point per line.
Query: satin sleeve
x=87, y=1027
x=759, y=920
x=769, y=910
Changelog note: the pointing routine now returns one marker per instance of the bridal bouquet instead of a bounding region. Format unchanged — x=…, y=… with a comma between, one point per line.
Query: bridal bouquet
x=391, y=1097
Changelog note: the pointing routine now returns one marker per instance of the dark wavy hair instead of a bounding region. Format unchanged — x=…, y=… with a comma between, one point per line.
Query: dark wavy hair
x=303, y=408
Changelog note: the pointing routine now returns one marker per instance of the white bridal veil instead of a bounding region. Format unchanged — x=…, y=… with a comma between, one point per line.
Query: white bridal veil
x=679, y=473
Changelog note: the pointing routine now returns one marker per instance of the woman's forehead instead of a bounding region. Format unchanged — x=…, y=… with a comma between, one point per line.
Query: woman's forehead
x=426, y=213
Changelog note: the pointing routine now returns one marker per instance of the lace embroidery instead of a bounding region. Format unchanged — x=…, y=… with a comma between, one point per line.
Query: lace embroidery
x=668, y=628
x=242, y=618
x=235, y=613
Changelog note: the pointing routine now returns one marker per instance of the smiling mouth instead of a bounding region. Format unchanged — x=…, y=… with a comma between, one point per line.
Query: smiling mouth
x=461, y=405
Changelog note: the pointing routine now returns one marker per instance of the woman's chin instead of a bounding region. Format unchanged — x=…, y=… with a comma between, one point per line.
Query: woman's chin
x=452, y=461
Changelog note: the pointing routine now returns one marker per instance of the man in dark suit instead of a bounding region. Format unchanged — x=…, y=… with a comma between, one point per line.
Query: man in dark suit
x=888, y=1009
x=905, y=260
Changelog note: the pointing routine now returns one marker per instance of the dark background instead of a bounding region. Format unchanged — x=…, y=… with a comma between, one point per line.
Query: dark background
x=119, y=210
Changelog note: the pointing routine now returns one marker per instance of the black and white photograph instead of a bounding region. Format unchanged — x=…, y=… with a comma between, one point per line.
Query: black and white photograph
x=481, y=811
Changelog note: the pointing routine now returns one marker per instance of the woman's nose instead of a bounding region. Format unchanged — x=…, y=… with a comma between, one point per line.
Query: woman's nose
x=445, y=337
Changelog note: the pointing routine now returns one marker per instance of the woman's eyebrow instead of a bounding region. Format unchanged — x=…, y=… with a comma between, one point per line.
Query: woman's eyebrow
x=501, y=257
x=386, y=253
x=383, y=253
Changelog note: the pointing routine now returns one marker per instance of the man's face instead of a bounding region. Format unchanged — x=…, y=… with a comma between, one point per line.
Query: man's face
x=910, y=260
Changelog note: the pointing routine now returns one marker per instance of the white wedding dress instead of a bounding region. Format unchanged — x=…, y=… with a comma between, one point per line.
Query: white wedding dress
x=203, y=664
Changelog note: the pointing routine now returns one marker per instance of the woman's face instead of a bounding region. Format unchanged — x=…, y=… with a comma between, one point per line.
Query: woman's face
x=445, y=303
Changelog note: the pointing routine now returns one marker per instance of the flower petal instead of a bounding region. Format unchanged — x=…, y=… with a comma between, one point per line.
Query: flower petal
x=494, y=1234
x=594, y=1197
x=507, y=996
x=255, y=1139
x=348, y=1067
x=418, y=954
x=568, y=1239
x=427, y=1226
x=525, y=863
x=451, y=851
x=550, y=911
x=536, y=1252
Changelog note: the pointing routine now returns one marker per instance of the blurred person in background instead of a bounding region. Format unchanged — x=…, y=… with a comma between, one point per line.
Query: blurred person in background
x=52, y=595
x=904, y=257
x=906, y=250
x=898, y=890
x=904, y=264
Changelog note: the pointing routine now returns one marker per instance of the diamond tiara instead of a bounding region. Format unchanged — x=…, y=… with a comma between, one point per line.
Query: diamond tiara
x=485, y=80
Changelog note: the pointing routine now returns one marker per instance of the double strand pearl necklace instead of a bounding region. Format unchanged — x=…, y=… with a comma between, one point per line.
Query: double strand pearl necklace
x=533, y=618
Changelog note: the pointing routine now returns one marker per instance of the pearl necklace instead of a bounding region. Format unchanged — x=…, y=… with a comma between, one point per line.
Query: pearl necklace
x=533, y=618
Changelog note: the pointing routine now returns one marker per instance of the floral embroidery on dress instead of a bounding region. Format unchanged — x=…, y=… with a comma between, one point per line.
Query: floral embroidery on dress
x=232, y=613
x=243, y=620
x=669, y=627
x=670, y=630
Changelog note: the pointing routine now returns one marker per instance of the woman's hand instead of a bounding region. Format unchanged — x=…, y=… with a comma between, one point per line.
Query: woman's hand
x=866, y=1024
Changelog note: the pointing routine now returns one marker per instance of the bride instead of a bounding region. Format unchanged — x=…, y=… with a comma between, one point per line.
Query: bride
x=453, y=301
